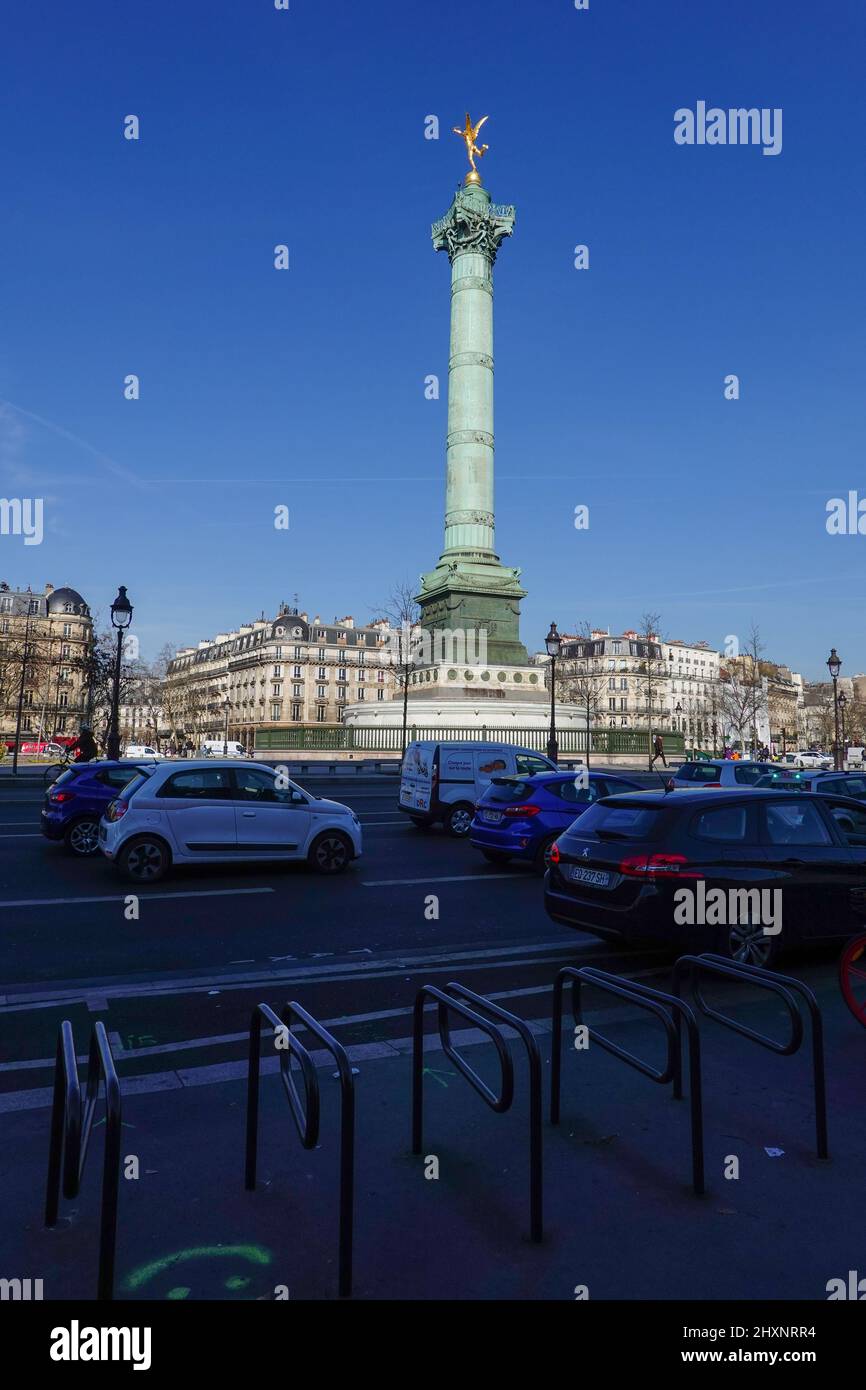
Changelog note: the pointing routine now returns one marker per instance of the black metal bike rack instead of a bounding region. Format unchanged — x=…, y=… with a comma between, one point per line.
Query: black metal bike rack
x=306, y=1115
x=71, y=1127
x=671, y=1013
x=449, y=1000
x=785, y=987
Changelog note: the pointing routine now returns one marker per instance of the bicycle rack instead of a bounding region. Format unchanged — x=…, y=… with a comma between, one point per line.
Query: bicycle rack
x=449, y=999
x=306, y=1116
x=71, y=1127
x=782, y=985
x=666, y=1008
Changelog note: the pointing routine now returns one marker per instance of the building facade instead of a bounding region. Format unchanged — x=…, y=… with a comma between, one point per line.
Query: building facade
x=289, y=671
x=46, y=642
x=636, y=680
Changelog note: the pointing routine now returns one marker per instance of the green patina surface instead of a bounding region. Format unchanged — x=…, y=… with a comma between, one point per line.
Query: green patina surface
x=470, y=589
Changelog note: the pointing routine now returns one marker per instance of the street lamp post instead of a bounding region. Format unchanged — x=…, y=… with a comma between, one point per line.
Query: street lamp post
x=226, y=707
x=121, y=617
x=553, y=643
x=834, y=665
x=843, y=701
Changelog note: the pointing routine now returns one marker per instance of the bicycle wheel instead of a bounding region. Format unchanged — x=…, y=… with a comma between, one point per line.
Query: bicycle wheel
x=52, y=772
x=852, y=977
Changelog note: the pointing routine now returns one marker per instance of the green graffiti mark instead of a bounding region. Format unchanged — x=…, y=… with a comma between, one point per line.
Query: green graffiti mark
x=437, y=1075
x=177, y=1293
x=256, y=1254
x=237, y=1281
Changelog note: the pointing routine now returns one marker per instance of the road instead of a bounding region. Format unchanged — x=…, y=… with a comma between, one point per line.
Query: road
x=175, y=986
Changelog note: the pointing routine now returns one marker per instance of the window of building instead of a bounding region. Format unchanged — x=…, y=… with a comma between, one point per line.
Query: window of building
x=321, y=691
x=297, y=673
x=296, y=713
x=611, y=685
x=276, y=712
x=611, y=704
x=278, y=654
x=64, y=699
x=67, y=629
x=297, y=691
x=321, y=713
x=361, y=693
x=298, y=653
x=278, y=689
x=380, y=694
x=322, y=674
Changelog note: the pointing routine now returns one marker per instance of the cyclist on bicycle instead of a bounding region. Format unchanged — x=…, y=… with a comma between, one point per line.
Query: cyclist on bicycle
x=84, y=747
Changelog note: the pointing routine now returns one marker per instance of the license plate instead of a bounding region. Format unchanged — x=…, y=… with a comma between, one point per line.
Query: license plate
x=493, y=816
x=599, y=878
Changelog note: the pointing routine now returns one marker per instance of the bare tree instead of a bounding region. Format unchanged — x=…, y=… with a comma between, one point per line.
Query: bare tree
x=404, y=615
x=650, y=676
x=579, y=684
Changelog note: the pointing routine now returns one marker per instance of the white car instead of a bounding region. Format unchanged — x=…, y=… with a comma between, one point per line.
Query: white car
x=213, y=811
x=222, y=748
x=821, y=762
x=142, y=750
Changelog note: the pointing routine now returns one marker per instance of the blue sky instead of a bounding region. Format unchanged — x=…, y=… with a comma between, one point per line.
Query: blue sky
x=306, y=387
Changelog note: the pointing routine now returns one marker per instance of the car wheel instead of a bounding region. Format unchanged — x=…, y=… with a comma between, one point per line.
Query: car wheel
x=748, y=943
x=542, y=858
x=144, y=859
x=496, y=856
x=458, y=821
x=331, y=853
x=82, y=837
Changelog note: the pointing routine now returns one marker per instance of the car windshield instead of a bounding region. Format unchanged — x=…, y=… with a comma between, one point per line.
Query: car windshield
x=508, y=790
x=697, y=772
x=66, y=776
x=135, y=785
x=621, y=821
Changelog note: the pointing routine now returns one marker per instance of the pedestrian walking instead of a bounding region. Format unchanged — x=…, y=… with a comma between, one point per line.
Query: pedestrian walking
x=659, y=750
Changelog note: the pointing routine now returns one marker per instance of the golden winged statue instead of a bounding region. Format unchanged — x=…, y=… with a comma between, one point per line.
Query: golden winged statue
x=469, y=134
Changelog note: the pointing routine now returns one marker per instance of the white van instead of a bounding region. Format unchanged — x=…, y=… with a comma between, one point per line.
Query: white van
x=141, y=750
x=222, y=748
x=443, y=781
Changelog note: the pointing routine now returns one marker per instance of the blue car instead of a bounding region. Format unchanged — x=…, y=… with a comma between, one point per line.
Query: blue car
x=521, y=817
x=75, y=803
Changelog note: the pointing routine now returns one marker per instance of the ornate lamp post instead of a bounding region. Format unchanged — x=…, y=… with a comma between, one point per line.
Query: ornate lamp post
x=121, y=617
x=834, y=665
x=843, y=701
x=553, y=643
x=227, y=704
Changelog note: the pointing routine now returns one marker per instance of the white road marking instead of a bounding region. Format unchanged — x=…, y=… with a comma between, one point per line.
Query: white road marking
x=121, y=897
x=453, y=878
x=370, y=970
x=19, y=835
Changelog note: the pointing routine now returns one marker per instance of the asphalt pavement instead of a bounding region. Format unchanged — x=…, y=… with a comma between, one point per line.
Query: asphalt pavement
x=175, y=989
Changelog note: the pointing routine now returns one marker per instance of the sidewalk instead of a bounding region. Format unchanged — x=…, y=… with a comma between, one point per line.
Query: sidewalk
x=620, y=1216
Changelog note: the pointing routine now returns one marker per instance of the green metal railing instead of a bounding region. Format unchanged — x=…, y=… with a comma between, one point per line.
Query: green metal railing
x=344, y=738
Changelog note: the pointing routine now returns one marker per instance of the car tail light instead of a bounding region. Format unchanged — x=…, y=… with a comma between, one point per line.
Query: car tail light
x=554, y=853
x=522, y=811
x=656, y=866
x=61, y=796
x=115, y=810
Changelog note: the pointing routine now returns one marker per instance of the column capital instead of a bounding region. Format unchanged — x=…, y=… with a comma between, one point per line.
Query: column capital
x=473, y=224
